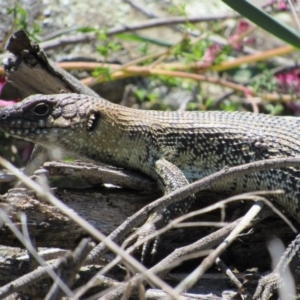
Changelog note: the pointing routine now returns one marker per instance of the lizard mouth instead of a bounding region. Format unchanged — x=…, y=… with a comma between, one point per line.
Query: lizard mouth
x=20, y=128
x=33, y=134
x=12, y=123
x=28, y=133
x=28, y=130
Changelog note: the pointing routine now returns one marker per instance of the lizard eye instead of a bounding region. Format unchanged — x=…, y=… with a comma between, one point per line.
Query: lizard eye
x=41, y=109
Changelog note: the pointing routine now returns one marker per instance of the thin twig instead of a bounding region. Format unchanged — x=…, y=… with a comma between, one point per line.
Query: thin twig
x=254, y=196
x=69, y=267
x=146, y=71
x=228, y=272
x=32, y=277
x=206, y=183
x=190, y=280
x=28, y=279
x=141, y=8
x=157, y=22
x=176, y=223
x=87, y=226
x=179, y=255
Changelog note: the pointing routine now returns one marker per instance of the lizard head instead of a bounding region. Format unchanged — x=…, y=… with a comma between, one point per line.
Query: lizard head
x=47, y=119
x=75, y=124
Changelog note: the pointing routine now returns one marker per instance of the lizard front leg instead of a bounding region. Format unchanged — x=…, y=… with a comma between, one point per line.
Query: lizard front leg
x=169, y=178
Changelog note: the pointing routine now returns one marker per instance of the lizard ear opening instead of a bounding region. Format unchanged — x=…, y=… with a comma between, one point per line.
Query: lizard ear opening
x=92, y=121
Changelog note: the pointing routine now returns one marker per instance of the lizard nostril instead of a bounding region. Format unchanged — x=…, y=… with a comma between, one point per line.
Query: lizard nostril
x=4, y=116
x=41, y=109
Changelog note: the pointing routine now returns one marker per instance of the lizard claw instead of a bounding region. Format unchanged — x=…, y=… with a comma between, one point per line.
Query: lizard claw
x=267, y=286
x=285, y=277
x=146, y=230
x=284, y=281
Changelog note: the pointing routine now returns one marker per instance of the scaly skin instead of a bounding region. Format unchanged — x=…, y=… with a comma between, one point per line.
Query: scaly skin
x=174, y=148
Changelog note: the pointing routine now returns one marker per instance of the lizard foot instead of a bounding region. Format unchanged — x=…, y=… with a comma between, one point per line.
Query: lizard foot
x=153, y=224
x=285, y=277
x=267, y=286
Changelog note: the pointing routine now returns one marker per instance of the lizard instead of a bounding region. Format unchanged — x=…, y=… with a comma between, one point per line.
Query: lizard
x=174, y=148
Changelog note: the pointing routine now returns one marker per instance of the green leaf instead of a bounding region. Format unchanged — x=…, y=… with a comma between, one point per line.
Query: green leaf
x=230, y=106
x=86, y=29
x=101, y=71
x=266, y=21
x=274, y=109
x=103, y=50
x=144, y=48
x=139, y=38
x=69, y=159
x=141, y=94
x=10, y=11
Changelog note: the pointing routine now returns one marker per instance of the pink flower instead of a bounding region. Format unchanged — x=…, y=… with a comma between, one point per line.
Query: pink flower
x=4, y=103
x=289, y=81
x=2, y=83
x=277, y=4
x=242, y=27
x=209, y=56
x=236, y=40
x=283, y=5
x=212, y=53
x=28, y=149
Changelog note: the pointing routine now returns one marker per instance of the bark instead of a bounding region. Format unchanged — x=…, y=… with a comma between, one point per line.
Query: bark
x=31, y=72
